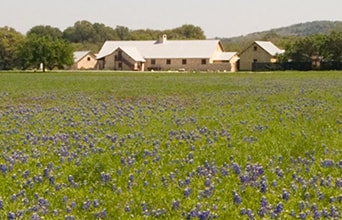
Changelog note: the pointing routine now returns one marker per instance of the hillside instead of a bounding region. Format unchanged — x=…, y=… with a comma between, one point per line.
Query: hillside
x=280, y=36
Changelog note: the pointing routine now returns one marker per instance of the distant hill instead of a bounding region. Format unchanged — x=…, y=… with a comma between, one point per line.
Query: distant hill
x=280, y=36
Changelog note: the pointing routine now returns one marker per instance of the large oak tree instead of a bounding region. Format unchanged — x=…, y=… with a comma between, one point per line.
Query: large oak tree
x=10, y=42
x=41, y=50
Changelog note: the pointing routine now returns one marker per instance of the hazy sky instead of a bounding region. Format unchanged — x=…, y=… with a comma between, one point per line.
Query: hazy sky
x=218, y=18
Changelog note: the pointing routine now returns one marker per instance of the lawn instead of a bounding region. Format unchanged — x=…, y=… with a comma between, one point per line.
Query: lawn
x=104, y=145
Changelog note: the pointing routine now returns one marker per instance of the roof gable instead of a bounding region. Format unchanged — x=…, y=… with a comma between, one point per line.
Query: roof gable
x=133, y=53
x=269, y=47
x=78, y=55
x=168, y=49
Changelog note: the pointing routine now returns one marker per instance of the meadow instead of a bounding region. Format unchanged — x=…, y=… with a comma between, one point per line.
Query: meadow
x=103, y=145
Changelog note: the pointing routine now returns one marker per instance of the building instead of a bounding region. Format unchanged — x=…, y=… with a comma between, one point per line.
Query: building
x=84, y=60
x=164, y=54
x=258, y=52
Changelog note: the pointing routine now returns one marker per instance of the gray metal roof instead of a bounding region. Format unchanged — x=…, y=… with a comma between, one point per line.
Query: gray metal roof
x=169, y=49
x=269, y=47
x=78, y=55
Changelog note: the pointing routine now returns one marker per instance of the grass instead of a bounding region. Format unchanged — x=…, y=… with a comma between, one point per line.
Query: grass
x=131, y=145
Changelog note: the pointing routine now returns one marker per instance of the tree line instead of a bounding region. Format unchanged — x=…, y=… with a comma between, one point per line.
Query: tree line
x=322, y=47
x=53, y=48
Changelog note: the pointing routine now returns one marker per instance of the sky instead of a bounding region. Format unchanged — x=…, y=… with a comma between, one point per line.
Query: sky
x=217, y=18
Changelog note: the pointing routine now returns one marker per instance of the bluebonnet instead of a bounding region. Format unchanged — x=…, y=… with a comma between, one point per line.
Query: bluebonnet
x=236, y=168
x=144, y=207
x=236, y=198
x=327, y=163
x=285, y=195
x=301, y=205
x=69, y=217
x=11, y=216
x=187, y=192
x=96, y=203
x=279, y=208
x=35, y=216
x=175, y=204
x=86, y=205
x=302, y=215
x=128, y=209
x=263, y=185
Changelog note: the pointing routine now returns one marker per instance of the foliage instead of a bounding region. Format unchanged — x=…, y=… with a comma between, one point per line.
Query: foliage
x=326, y=47
x=187, y=31
x=10, y=42
x=84, y=33
x=52, y=33
x=38, y=50
x=171, y=146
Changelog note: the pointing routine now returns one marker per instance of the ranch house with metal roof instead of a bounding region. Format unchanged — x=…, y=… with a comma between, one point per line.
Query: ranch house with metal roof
x=166, y=55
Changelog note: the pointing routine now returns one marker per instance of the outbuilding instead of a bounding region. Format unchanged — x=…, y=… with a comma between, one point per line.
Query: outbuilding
x=258, y=52
x=84, y=60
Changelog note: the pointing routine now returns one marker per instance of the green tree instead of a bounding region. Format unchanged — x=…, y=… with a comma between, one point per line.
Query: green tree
x=46, y=31
x=301, y=50
x=85, y=35
x=123, y=33
x=10, y=42
x=103, y=33
x=38, y=50
x=82, y=31
x=333, y=47
x=187, y=31
x=327, y=47
x=147, y=34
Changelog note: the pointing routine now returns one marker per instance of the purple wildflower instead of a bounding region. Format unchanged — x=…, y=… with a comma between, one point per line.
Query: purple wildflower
x=236, y=168
x=263, y=188
x=327, y=163
x=71, y=179
x=302, y=215
x=279, y=208
x=187, y=192
x=11, y=216
x=128, y=209
x=96, y=203
x=301, y=205
x=285, y=195
x=144, y=207
x=176, y=204
x=236, y=199
x=35, y=216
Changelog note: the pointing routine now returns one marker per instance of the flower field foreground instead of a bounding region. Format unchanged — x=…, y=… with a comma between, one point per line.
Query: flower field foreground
x=171, y=146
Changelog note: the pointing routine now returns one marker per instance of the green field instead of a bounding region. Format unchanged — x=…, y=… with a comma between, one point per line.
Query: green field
x=104, y=145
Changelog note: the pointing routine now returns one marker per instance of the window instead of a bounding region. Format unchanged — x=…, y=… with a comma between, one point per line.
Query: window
x=204, y=61
x=255, y=61
x=255, y=48
x=184, y=61
x=168, y=61
x=120, y=65
x=153, y=61
x=88, y=59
